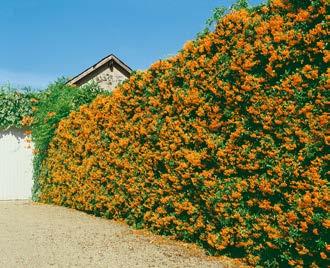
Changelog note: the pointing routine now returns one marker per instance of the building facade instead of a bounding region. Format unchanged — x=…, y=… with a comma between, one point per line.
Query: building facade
x=107, y=73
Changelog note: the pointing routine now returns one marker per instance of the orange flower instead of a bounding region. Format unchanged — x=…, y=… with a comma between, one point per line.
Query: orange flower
x=323, y=255
x=27, y=120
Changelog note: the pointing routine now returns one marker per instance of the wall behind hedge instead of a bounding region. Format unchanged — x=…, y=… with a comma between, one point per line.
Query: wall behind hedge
x=224, y=144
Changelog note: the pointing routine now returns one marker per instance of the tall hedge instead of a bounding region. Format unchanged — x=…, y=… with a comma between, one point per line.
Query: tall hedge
x=225, y=144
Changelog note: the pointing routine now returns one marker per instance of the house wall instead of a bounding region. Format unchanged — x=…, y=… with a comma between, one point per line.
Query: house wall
x=16, y=169
x=106, y=77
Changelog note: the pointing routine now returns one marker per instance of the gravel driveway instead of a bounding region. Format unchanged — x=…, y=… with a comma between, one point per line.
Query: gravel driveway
x=36, y=235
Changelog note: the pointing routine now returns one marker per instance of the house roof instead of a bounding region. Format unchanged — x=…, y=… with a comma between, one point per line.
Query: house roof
x=106, y=60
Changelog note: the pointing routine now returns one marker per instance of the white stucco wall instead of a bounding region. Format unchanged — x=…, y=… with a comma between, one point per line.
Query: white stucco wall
x=16, y=167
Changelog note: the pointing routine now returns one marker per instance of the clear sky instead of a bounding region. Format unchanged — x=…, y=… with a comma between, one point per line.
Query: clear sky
x=42, y=40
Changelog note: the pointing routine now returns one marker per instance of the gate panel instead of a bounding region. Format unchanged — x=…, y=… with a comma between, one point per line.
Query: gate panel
x=16, y=167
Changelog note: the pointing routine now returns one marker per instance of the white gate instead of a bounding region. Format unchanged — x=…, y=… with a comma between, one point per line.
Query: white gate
x=16, y=167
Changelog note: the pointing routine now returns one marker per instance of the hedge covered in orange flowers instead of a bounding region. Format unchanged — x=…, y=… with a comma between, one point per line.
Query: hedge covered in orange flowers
x=224, y=144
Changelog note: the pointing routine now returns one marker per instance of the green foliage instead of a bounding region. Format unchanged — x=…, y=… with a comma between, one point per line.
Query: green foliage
x=240, y=4
x=55, y=104
x=15, y=105
x=218, y=13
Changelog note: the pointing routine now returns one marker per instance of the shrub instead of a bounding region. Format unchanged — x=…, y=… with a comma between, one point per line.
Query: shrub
x=16, y=107
x=224, y=144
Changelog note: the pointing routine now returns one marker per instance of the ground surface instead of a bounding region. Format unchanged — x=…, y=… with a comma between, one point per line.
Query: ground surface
x=36, y=235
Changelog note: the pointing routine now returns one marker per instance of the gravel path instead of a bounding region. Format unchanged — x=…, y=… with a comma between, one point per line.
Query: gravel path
x=36, y=235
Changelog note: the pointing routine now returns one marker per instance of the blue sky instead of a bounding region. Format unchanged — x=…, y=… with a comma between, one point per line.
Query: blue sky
x=42, y=40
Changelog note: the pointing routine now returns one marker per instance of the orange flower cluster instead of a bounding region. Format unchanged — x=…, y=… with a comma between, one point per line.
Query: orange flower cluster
x=27, y=120
x=225, y=144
